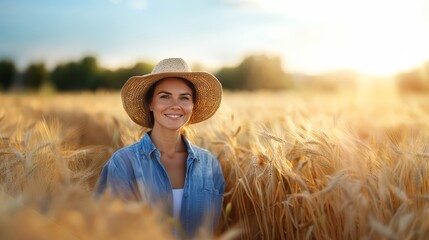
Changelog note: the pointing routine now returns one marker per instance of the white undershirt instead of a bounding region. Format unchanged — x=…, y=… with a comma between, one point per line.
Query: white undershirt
x=177, y=202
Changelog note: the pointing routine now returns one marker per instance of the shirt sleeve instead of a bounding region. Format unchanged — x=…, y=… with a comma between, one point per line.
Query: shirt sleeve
x=116, y=179
x=219, y=184
x=219, y=179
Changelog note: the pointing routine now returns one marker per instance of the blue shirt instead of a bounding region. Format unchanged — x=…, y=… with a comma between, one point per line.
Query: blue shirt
x=136, y=173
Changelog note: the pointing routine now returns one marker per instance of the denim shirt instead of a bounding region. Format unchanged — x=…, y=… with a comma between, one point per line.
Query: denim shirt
x=136, y=173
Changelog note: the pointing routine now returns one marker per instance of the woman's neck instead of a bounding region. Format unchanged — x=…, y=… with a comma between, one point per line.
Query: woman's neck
x=167, y=141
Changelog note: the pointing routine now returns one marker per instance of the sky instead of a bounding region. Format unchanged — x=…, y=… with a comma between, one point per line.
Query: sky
x=378, y=37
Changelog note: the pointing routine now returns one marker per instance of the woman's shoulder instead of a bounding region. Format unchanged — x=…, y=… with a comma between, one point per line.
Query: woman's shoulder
x=124, y=154
x=198, y=150
x=203, y=154
x=133, y=148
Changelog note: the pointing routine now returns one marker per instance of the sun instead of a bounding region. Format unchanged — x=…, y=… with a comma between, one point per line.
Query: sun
x=376, y=37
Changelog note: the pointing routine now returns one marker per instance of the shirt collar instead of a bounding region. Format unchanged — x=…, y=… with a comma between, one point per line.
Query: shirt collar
x=190, y=148
x=148, y=147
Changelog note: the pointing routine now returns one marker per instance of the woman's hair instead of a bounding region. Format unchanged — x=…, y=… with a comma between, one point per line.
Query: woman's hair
x=149, y=95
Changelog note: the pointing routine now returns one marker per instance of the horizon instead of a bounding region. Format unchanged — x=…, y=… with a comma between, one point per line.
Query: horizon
x=361, y=36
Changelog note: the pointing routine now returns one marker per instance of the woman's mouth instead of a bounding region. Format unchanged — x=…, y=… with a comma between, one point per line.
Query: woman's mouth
x=173, y=116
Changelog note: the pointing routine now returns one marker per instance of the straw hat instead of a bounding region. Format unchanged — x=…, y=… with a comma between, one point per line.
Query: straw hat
x=208, y=91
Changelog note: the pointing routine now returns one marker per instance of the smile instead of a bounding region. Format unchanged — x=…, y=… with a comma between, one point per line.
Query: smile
x=173, y=116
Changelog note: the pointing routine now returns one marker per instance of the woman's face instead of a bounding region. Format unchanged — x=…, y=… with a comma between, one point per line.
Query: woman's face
x=171, y=104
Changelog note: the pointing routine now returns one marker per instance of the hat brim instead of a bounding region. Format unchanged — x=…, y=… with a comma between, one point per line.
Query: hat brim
x=208, y=92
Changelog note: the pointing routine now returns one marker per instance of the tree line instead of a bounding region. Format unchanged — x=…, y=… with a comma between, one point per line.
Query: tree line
x=253, y=73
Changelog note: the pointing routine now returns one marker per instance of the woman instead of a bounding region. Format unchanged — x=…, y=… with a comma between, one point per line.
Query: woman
x=164, y=168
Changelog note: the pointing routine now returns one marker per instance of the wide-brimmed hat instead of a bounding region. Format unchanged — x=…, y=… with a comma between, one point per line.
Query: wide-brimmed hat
x=208, y=91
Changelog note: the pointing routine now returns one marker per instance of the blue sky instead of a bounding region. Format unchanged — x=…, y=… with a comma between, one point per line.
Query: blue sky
x=373, y=36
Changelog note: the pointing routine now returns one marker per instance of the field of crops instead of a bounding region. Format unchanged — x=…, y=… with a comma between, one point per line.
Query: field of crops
x=298, y=165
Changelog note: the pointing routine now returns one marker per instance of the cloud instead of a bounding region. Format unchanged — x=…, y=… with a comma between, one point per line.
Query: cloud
x=137, y=4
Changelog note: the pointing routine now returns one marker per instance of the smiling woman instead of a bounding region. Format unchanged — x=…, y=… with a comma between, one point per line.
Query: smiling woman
x=171, y=104
x=164, y=169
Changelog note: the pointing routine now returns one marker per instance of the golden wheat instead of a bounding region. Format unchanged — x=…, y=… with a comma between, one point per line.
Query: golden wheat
x=297, y=165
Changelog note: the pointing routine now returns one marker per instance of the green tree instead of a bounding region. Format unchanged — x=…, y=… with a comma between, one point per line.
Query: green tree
x=254, y=73
x=88, y=73
x=116, y=79
x=262, y=72
x=81, y=75
x=141, y=68
x=65, y=77
x=34, y=76
x=230, y=77
x=7, y=73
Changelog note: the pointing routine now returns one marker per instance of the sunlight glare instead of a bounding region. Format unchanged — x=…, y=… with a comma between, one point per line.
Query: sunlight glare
x=378, y=37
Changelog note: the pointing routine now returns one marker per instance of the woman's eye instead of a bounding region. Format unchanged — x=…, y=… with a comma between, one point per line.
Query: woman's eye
x=184, y=98
x=164, y=96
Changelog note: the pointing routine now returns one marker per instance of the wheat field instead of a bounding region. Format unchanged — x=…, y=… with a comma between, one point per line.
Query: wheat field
x=297, y=164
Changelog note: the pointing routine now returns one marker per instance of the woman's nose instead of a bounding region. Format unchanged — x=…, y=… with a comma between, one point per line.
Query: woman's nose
x=175, y=106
